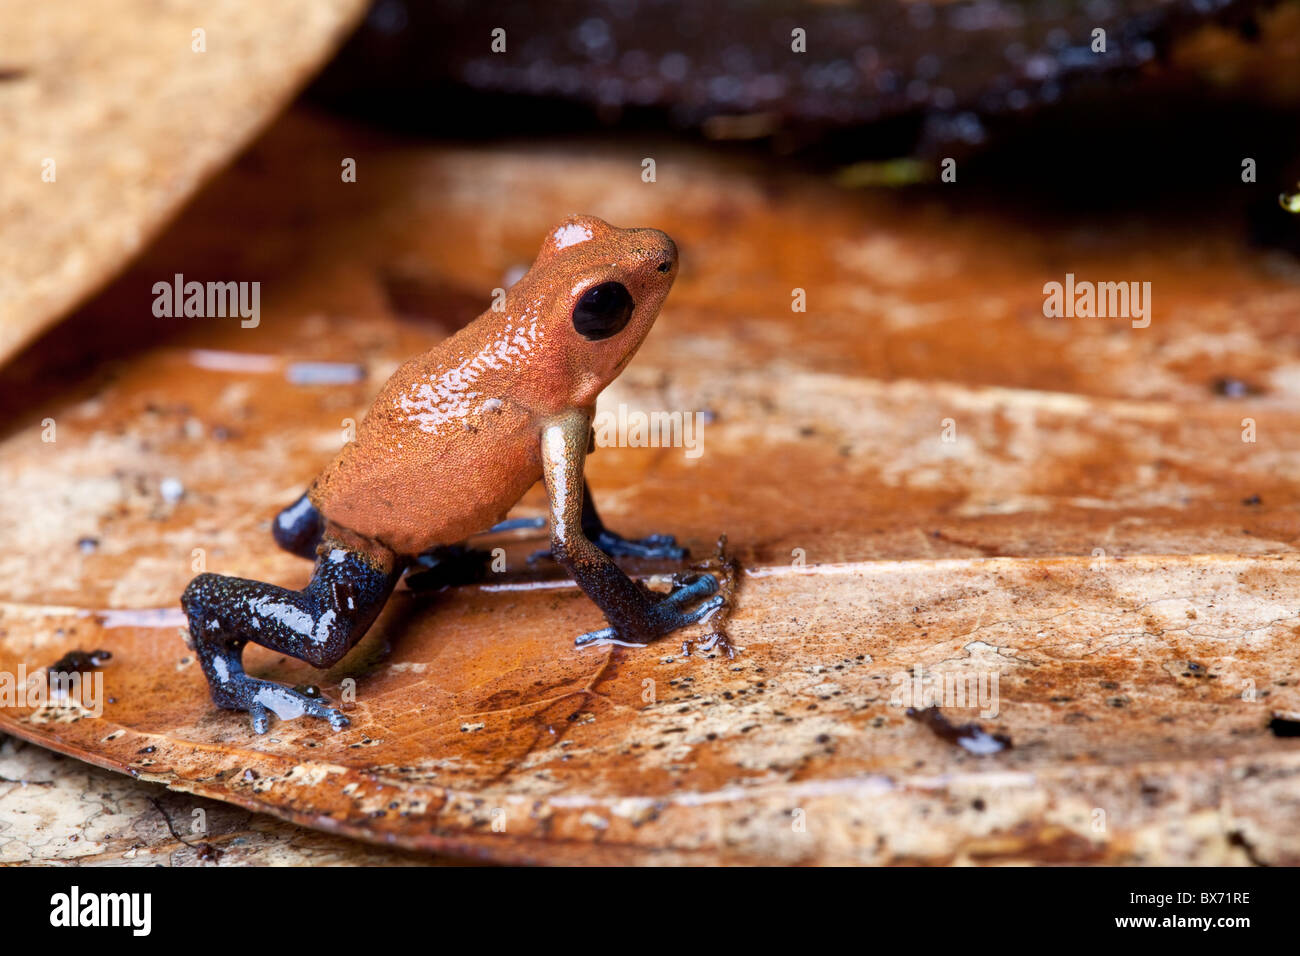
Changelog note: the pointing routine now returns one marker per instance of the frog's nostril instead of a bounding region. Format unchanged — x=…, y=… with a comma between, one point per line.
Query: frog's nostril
x=666, y=265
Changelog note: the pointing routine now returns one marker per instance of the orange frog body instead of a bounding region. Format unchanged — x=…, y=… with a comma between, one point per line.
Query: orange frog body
x=453, y=440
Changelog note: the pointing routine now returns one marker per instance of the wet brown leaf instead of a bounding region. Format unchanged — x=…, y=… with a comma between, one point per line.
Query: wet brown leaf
x=1097, y=535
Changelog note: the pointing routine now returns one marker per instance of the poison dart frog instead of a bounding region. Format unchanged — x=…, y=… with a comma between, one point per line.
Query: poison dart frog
x=454, y=439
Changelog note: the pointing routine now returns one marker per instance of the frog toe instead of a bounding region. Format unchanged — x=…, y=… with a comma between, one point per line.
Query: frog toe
x=337, y=719
x=260, y=718
x=691, y=587
x=601, y=636
x=260, y=699
x=701, y=612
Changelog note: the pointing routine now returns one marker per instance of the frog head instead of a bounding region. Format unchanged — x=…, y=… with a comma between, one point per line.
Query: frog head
x=597, y=290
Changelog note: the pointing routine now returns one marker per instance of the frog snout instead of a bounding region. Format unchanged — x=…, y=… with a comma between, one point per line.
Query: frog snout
x=660, y=249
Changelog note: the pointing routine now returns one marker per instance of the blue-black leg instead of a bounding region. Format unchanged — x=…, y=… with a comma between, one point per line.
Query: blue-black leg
x=450, y=566
x=671, y=610
x=299, y=528
x=614, y=544
x=455, y=565
x=318, y=625
x=635, y=614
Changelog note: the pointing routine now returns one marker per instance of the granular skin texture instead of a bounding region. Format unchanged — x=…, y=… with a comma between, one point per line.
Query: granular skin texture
x=451, y=443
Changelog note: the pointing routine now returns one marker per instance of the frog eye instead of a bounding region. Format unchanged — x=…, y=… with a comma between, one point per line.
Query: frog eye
x=603, y=310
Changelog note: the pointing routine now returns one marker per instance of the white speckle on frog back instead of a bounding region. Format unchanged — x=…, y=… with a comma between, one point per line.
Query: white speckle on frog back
x=570, y=234
x=449, y=397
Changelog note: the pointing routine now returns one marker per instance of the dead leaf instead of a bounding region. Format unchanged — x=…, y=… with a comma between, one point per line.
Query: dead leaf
x=113, y=119
x=1082, y=540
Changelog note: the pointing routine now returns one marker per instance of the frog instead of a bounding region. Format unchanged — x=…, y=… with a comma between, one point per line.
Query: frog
x=452, y=442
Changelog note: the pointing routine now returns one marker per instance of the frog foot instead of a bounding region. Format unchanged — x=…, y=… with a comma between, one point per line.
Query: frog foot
x=261, y=698
x=666, y=614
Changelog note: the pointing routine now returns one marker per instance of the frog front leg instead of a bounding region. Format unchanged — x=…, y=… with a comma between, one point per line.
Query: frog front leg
x=636, y=614
x=613, y=543
x=318, y=625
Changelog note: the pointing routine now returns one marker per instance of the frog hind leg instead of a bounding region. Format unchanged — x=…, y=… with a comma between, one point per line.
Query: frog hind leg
x=299, y=528
x=318, y=625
